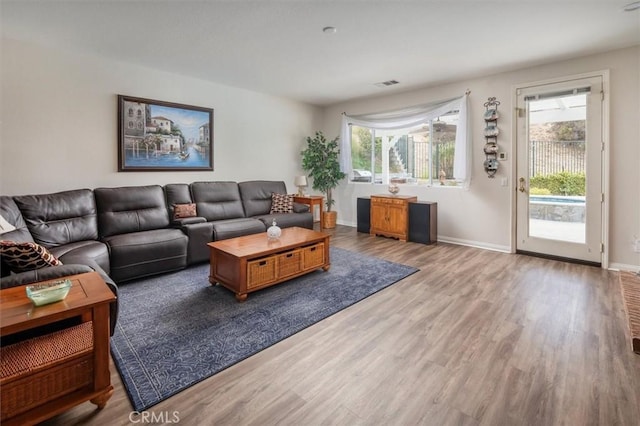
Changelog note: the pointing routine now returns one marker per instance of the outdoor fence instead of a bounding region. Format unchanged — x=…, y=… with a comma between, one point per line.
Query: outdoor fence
x=415, y=158
x=546, y=157
x=551, y=157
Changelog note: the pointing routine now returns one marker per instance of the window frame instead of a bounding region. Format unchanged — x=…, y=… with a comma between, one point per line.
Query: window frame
x=384, y=154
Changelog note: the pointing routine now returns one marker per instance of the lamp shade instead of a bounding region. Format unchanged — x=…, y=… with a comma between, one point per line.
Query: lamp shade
x=300, y=181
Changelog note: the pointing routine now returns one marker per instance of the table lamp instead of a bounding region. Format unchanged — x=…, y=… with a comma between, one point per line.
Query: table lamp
x=301, y=183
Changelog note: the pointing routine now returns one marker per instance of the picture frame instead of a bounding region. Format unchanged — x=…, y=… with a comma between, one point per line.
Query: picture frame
x=163, y=136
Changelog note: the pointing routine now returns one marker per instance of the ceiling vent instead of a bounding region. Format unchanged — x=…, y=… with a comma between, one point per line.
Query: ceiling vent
x=387, y=83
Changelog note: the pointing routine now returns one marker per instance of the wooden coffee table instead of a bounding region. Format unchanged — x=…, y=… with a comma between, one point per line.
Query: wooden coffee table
x=49, y=381
x=253, y=262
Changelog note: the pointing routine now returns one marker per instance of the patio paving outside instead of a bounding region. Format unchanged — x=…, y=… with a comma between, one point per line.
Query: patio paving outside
x=558, y=230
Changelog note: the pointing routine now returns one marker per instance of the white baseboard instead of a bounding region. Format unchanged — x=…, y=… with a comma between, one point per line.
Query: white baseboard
x=351, y=224
x=458, y=241
x=623, y=267
x=475, y=244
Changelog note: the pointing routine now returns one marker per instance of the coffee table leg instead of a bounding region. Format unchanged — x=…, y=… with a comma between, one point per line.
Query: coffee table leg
x=241, y=297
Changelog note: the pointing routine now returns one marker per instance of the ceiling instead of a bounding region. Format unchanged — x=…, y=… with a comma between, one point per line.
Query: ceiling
x=278, y=47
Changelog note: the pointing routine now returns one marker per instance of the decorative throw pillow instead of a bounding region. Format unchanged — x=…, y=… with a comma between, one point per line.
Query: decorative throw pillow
x=5, y=226
x=281, y=203
x=180, y=211
x=21, y=257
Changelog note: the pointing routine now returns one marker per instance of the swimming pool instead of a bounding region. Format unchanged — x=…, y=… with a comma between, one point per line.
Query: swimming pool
x=557, y=199
x=557, y=208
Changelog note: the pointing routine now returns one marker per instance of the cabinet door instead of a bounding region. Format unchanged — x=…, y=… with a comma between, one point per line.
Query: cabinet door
x=398, y=218
x=378, y=216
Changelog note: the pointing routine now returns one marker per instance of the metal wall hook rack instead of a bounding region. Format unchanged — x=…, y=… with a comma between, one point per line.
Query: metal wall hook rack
x=491, y=132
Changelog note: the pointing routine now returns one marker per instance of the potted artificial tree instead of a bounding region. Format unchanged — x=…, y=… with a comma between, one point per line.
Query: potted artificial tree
x=320, y=160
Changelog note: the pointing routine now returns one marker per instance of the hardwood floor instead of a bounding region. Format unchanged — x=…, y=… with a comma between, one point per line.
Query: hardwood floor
x=474, y=338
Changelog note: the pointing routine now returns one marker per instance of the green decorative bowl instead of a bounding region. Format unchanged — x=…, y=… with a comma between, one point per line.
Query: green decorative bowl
x=43, y=294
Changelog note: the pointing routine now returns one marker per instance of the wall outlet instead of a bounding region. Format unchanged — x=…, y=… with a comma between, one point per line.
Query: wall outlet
x=502, y=156
x=636, y=245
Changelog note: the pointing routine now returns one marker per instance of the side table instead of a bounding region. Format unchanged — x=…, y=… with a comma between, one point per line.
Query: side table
x=311, y=201
x=46, y=375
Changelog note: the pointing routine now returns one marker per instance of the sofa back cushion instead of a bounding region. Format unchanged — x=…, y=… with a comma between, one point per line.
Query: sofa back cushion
x=256, y=195
x=60, y=218
x=217, y=200
x=177, y=194
x=11, y=213
x=131, y=209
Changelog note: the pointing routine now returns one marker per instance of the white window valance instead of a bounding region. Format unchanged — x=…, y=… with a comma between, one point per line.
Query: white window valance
x=412, y=117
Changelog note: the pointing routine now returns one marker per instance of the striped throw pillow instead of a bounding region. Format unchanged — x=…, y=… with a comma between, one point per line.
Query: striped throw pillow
x=21, y=257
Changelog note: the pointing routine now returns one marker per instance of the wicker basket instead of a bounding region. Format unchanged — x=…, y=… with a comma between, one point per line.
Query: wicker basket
x=261, y=271
x=329, y=219
x=313, y=256
x=289, y=263
x=41, y=369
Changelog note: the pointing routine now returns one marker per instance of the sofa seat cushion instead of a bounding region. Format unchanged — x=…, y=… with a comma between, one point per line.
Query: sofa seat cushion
x=22, y=257
x=288, y=220
x=95, y=250
x=139, y=254
x=231, y=228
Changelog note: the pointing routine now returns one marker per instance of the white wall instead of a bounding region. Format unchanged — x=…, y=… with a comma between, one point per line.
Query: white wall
x=482, y=215
x=59, y=123
x=59, y=131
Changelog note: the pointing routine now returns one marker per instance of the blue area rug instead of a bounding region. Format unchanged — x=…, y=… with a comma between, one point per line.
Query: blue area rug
x=176, y=330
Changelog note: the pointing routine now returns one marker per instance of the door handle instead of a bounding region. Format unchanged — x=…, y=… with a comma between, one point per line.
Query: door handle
x=521, y=188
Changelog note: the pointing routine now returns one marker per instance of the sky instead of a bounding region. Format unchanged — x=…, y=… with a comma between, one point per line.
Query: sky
x=189, y=121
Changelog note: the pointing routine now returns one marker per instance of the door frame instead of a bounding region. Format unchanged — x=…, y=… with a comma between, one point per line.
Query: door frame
x=604, y=74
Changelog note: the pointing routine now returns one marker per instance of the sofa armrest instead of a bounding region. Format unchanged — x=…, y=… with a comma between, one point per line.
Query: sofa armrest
x=43, y=274
x=60, y=271
x=300, y=208
x=178, y=223
x=199, y=235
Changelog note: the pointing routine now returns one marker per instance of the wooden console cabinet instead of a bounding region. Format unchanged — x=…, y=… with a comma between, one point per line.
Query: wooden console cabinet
x=390, y=215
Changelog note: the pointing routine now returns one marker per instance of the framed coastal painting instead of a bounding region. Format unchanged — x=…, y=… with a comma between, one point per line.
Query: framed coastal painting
x=163, y=136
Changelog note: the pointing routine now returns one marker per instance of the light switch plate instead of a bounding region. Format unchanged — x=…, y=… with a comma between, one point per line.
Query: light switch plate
x=502, y=156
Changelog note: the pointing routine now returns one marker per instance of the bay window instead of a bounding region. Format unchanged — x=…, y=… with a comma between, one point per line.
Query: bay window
x=425, y=145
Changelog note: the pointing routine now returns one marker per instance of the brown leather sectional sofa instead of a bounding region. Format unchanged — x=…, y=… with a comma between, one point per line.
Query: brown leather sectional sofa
x=127, y=233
